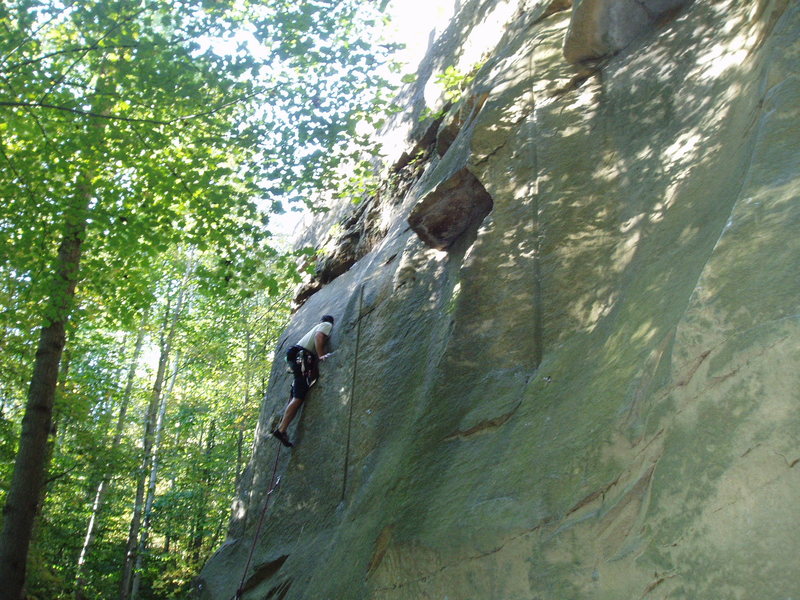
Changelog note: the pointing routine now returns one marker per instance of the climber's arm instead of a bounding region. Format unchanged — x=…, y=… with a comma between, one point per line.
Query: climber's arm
x=319, y=343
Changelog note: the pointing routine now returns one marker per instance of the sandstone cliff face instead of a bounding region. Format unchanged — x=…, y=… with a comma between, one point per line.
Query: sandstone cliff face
x=592, y=390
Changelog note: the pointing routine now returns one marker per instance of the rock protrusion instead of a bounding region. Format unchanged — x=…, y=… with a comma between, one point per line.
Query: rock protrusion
x=422, y=145
x=452, y=208
x=599, y=28
x=350, y=239
x=264, y=572
x=455, y=122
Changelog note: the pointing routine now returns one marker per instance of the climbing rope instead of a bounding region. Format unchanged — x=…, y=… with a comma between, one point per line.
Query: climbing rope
x=272, y=485
x=352, y=391
x=275, y=482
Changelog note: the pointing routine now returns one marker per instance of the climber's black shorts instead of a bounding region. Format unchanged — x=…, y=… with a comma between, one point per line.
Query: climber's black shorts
x=302, y=363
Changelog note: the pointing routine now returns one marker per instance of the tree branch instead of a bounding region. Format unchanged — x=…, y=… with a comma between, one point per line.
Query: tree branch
x=84, y=49
x=88, y=113
x=96, y=46
x=85, y=113
x=31, y=36
x=221, y=107
x=116, y=26
x=53, y=478
x=36, y=120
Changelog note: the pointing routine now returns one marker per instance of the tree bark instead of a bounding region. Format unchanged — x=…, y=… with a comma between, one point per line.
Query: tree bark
x=29, y=469
x=61, y=385
x=248, y=379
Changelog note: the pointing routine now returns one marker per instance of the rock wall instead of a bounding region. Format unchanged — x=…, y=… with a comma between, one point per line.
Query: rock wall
x=580, y=380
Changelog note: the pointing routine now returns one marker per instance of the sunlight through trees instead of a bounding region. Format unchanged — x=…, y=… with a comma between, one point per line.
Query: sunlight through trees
x=144, y=146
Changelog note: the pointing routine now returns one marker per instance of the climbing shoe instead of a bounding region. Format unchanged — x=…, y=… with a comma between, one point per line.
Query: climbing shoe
x=283, y=438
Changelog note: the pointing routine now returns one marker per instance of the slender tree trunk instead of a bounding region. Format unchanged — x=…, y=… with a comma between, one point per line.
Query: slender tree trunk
x=248, y=380
x=215, y=541
x=148, y=441
x=239, y=457
x=151, y=486
x=168, y=535
x=29, y=469
x=103, y=485
x=201, y=514
x=144, y=469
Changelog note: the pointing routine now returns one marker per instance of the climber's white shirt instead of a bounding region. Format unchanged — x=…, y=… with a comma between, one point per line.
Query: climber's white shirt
x=307, y=341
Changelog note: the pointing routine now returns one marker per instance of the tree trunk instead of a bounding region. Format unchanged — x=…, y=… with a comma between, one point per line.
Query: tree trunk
x=151, y=486
x=144, y=469
x=201, y=514
x=63, y=375
x=168, y=535
x=239, y=458
x=29, y=469
x=103, y=485
x=148, y=442
x=25, y=492
x=248, y=379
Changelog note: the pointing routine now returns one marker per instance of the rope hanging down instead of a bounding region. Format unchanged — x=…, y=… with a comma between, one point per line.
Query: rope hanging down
x=352, y=391
x=272, y=485
x=275, y=482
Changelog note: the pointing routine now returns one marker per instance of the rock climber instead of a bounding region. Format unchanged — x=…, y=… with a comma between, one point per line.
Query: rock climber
x=303, y=358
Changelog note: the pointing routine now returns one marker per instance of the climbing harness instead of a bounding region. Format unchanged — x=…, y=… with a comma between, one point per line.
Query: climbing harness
x=306, y=360
x=308, y=364
x=274, y=482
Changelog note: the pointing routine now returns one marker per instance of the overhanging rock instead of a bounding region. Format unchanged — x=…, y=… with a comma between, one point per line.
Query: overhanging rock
x=599, y=28
x=458, y=203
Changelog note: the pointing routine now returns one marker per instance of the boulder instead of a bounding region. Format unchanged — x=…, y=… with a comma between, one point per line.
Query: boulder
x=599, y=28
x=448, y=211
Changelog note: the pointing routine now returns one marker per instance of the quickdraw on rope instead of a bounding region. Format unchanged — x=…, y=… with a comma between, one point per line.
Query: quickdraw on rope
x=272, y=485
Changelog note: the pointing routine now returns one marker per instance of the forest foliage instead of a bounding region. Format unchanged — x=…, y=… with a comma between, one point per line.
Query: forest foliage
x=153, y=140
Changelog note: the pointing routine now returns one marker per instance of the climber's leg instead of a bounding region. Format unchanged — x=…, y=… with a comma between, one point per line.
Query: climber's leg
x=289, y=414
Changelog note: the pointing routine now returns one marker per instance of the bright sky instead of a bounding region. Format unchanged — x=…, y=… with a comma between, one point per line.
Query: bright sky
x=411, y=24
